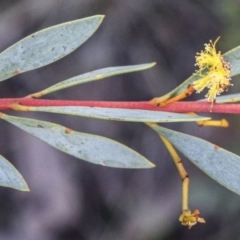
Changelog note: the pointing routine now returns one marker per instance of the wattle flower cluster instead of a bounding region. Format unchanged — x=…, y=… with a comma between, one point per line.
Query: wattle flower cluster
x=213, y=70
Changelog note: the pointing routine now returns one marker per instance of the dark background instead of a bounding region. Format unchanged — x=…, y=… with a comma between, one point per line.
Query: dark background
x=73, y=200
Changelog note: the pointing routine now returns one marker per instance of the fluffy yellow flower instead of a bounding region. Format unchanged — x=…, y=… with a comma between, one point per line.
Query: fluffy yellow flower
x=214, y=72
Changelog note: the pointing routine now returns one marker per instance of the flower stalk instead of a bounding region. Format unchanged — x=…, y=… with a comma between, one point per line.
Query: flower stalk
x=187, y=218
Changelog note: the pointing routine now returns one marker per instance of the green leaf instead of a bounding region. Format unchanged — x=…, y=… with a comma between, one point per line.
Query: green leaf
x=10, y=177
x=121, y=114
x=91, y=148
x=46, y=46
x=180, y=88
x=220, y=164
x=96, y=75
x=233, y=57
x=229, y=98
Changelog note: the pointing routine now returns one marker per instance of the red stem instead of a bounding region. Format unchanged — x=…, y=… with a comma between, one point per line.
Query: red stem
x=180, y=107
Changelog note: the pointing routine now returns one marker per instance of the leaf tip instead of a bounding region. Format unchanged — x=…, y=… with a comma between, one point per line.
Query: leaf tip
x=152, y=165
x=101, y=17
x=150, y=65
x=27, y=189
x=148, y=164
x=23, y=188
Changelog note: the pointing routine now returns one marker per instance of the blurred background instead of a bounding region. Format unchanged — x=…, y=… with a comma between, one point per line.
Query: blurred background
x=74, y=200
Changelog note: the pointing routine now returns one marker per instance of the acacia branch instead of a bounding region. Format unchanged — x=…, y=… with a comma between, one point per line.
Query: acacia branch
x=178, y=107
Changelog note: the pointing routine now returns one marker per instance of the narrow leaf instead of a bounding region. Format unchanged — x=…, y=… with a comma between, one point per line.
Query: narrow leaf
x=229, y=98
x=181, y=88
x=220, y=164
x=95, y=75
x=91, y=148
x=10, y=177
x=233, y=57
x=121, y=114
x=46, y=46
